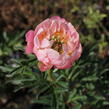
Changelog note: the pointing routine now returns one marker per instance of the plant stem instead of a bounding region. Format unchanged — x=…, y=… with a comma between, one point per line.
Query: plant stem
x=50, y=77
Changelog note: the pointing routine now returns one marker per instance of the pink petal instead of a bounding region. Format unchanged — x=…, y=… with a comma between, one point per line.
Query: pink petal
x=40, y=30
x=71, y=28
x=66, y=64
x=63, y=28
x=30, y=36
x=54, y=57
x=48, y=56
x=44, y=67
x=53, y=27
x=29, y=48
x=58, y=19
x=41, y=55
x=66, y=61
x=75, y=37
x=77, y=53
x=55, y=18
x=45, y=25
x=36, y=42
x=45, y=43
x=29, y=39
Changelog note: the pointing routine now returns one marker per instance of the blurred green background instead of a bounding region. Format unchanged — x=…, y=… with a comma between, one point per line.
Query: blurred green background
x=87, y=81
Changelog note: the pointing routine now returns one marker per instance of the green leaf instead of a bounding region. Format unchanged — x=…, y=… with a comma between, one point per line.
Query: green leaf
x=42, y=100
x=77, y=106
x=63, y=84
x=90, y=78
x=72, y=94
x=6, y=68
x=106, y=102
x=77, y=97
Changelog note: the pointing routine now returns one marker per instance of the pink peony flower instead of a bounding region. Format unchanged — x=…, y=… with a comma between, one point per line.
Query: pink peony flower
x=55, y=42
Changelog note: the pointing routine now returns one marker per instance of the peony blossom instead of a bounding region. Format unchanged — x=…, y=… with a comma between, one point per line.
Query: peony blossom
x=55, y=42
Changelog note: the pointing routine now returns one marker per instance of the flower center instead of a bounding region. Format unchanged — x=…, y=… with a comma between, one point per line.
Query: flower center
x=59, y=39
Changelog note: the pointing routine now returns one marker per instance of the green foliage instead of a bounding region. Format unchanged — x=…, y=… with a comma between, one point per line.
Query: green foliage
x=9, y=43
x=93, y=18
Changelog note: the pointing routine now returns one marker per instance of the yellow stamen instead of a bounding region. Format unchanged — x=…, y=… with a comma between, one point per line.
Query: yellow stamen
x=59, y=39
x=70, y=53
